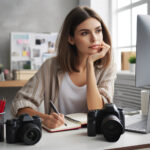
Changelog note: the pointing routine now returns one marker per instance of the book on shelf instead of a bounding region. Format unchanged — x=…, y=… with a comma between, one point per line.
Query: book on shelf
x=25, y=74
x=73, y=121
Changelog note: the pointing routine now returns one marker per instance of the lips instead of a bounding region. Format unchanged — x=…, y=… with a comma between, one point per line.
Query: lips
x=96, y=46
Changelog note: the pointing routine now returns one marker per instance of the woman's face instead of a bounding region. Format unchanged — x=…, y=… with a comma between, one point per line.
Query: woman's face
x=88, y=37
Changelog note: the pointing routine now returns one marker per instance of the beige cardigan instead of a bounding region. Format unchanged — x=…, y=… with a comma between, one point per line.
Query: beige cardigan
x=46, y=82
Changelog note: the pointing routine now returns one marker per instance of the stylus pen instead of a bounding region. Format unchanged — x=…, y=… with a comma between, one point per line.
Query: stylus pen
x=55, y=109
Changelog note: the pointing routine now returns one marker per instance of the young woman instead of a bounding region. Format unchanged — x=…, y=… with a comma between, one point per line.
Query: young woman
x=81, y=76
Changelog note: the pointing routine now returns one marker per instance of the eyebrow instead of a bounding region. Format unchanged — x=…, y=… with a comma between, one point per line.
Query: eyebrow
x=88, y=29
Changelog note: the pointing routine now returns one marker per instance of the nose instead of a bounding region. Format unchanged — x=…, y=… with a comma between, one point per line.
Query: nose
x=93, y=37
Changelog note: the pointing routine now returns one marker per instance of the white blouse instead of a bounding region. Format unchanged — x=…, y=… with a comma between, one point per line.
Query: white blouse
x=71, y=98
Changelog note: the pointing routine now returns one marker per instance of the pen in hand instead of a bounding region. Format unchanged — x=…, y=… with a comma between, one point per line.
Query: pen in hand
x=55, y=109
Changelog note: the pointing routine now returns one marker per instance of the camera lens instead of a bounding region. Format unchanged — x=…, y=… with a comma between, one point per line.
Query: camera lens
x=111, y=128
x=31, y=134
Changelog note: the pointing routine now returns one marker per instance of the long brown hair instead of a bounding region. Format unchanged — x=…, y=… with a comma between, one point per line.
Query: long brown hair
x=67, y=56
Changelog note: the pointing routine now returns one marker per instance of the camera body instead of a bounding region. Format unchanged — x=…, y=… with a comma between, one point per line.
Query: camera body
x=109, y=121
x=24, y=129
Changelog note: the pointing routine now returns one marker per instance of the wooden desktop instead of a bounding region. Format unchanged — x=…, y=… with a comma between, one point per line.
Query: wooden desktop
x=13, y=83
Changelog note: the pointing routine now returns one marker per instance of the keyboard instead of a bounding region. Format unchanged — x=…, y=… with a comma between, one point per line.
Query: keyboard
x=136, y=123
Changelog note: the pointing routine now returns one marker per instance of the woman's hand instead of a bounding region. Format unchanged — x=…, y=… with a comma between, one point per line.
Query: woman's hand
x=100, y=54
x=53, y=120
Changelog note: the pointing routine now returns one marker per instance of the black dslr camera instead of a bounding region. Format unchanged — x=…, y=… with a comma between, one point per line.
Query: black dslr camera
x=24, y=129
x=109, y=121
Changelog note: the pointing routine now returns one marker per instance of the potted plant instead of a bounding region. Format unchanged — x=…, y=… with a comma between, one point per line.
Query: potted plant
x=132, y=62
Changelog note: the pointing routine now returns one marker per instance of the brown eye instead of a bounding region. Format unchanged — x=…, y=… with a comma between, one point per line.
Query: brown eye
x=98, y=30
x=84, y=33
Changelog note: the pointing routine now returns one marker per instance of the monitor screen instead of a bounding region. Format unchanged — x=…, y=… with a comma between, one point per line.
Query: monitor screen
x=143, y=51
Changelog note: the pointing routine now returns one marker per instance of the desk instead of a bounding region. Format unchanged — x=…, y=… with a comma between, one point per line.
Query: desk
x=78, y=140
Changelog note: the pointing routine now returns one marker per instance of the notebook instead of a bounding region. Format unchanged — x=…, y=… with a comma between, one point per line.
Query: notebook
x=73, y=121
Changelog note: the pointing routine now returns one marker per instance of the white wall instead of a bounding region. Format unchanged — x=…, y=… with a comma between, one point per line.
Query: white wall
x=102, y=7
x=84, y=3
x=148, y=7
x=30, y=16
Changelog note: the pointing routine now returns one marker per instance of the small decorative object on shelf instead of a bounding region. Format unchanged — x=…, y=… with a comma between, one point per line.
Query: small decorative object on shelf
x=2, y=78
x=25, y=74
x=132, y=61
x=7, y=74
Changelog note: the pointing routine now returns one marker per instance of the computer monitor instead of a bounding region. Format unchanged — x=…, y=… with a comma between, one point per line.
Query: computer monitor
x=141, y=123
x=143, y=51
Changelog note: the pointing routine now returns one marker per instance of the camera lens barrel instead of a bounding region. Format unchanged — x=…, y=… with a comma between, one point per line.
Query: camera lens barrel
x=31, y=134
x=109, y=121
x=111, y=128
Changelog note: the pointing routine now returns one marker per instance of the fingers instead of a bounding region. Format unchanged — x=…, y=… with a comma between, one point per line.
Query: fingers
x=104, y=48
x=59, y=117
x=53, y=120
x=62, y=116
x=105, y=45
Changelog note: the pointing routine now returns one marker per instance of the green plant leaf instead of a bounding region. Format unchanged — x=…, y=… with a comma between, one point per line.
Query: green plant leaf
x=132, y=59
